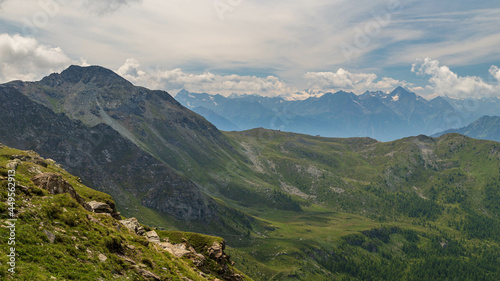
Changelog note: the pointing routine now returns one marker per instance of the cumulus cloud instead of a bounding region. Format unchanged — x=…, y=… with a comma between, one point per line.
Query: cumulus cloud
x=345, y=80
x=495, y=72
x=25, y=58
x=176, y=79
x=443, y=81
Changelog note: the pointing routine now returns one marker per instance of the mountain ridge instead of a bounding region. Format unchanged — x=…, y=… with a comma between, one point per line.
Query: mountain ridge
x=486, y=128
x=384, y=116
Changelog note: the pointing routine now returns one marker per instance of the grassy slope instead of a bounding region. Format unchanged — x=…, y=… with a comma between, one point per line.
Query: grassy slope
x=78, y=242
x=432, y=188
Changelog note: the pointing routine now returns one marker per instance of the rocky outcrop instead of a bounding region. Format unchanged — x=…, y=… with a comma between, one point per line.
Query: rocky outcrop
x=178, y=250
x=186, y=250
x=133, y=225
x=31, y=158
x=152, y=236
x=55, y=184
x=12, y=165
x=216, y=252
x=99, y=207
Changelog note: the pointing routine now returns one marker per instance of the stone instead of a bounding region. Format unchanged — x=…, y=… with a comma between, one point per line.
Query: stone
x=148, y=275
x=178, y=250
x=12, y=165
x=216, y=251
x=133, y=225
x=55, y=184
x=51, y=236
x=102, y=257
x=153, y=237
x=98, y=207
x=92, y=219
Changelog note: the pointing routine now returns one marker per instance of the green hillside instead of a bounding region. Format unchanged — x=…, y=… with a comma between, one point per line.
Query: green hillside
x=358, y=209
x=57, y=238
x=485, y=128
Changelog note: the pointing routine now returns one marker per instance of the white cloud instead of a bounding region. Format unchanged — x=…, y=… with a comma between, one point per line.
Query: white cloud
x=345, y=80
x=25, y=58
x=176, y=79
x=443, y=81
x=495, y=72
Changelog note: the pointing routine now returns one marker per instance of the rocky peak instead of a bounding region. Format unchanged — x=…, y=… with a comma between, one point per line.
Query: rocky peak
x=97, y=75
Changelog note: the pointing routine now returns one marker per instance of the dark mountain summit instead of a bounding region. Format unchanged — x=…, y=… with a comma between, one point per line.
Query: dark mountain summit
x=101, y=157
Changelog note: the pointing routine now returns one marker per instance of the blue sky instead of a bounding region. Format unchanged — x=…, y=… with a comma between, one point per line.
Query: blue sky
x=261, y=47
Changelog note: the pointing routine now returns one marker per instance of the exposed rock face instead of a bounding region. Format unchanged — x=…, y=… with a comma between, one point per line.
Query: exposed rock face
x=178, y=250
x=55, y=184
x=186, y=250
x=134, y=226
x=216, y=252
x=12, y=165
x=99, y=207
x=152, y=236
x=31, y=158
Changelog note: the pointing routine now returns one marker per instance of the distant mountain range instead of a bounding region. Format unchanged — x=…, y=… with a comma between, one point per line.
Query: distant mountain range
x=379, y=115
x=486, y=128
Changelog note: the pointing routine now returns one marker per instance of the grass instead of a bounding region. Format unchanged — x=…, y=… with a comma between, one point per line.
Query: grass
x=79, y=243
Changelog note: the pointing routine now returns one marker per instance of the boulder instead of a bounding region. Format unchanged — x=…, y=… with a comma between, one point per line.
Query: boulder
x=55, y=184
x=178, y=250
x=153, y=237
x=12, y=165
x=133, y=225
x=98, y=207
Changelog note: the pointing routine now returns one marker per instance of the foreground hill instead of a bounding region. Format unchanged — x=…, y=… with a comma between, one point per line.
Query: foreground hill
x=67, y=231
x=485, y=128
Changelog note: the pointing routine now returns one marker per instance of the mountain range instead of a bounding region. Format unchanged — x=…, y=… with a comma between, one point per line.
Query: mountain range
x=290, y=206
x=379, y=115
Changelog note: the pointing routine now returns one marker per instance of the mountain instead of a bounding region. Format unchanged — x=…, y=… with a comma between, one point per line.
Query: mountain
x=290, y=206
x=214, y=118
x=68, y=231
x=383, y=116
x=472, y=109
x=486, y=128
x=152, y=120
x=102, y=157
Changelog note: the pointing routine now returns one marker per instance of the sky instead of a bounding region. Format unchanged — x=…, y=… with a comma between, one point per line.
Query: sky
x=294, y=48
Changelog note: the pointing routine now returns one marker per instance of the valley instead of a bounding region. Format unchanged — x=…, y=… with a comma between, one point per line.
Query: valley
x=290, y=206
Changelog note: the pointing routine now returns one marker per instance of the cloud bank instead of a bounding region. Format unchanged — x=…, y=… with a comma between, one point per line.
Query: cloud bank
x=443, y=81
x=24, y=58
x=345, y=80
x=176, y=79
